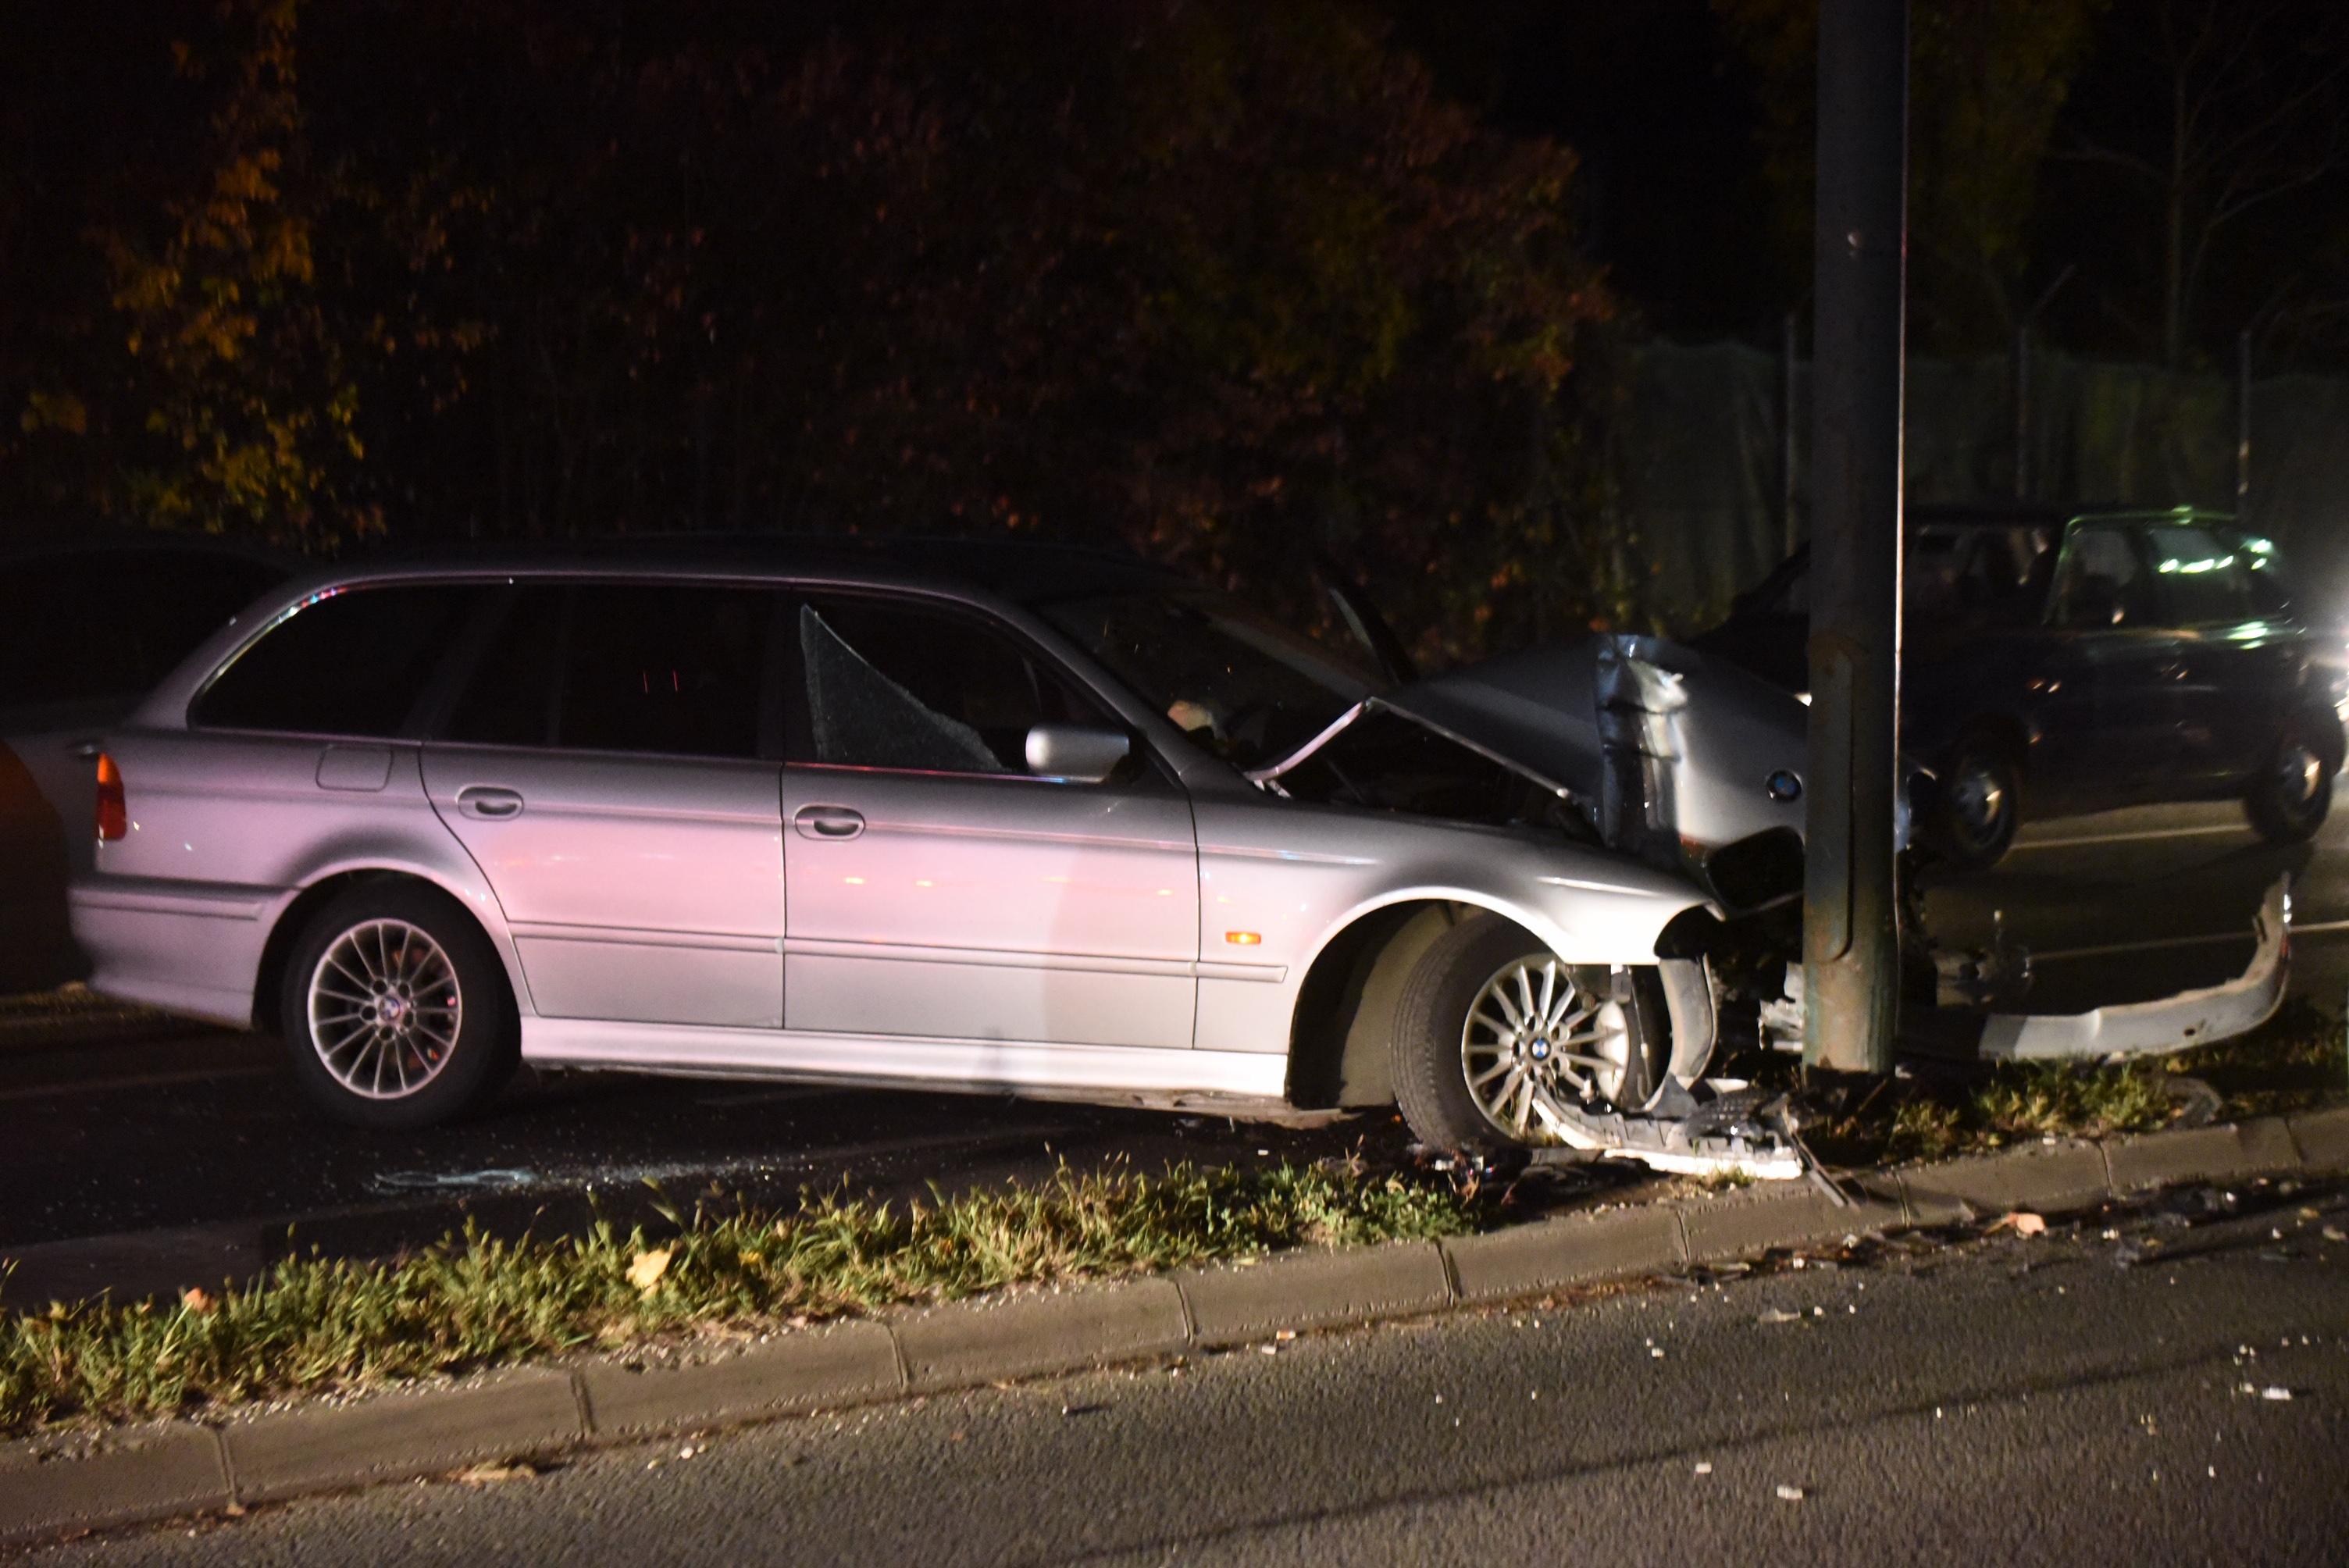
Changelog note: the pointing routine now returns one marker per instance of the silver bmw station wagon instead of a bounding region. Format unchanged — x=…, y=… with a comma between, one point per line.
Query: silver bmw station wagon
x=1014, y=819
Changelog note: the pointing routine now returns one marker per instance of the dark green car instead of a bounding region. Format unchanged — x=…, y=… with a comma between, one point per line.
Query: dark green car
x=2060, y=662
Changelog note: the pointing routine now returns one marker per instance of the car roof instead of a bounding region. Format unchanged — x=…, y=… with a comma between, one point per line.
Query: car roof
x=1022, y=571
x=2037, y=514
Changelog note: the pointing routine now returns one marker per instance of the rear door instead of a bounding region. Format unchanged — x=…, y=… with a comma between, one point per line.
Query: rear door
x=936, y=888
x=610, y=767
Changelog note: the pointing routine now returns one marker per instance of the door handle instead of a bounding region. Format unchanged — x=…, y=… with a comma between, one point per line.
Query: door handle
x=827, y=823
x=2175, y=670
x=488, y=803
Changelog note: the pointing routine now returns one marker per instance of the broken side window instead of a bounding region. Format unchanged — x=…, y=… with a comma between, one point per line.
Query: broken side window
x=861, y=717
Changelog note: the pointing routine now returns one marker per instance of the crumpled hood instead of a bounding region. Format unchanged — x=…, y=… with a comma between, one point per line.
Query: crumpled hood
x=1711, y=735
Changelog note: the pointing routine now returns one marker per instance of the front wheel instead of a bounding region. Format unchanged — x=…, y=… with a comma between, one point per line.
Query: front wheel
x=1488, y=1013
x=2292, y=793
x=397, y=1013
x=1981, y=803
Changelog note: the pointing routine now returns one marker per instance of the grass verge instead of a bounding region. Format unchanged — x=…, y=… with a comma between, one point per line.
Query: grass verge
x=472, y=1301
x=2293, y=1062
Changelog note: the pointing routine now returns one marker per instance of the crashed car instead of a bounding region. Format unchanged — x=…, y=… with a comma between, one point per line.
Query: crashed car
x=1009, y=820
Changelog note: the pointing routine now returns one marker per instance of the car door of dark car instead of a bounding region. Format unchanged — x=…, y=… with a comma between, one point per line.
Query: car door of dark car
x=2114, y=710
x=2231, y=667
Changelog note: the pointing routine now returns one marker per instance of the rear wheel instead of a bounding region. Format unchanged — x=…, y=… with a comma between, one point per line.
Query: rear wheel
x=2290, y=796
x=397, y=1013
x=1982, y=802
x=1488, y=1013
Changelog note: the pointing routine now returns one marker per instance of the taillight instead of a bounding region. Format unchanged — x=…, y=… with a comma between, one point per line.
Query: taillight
x=113, y=810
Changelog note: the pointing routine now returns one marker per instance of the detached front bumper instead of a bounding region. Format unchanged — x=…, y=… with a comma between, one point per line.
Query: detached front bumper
x=2170, y=1023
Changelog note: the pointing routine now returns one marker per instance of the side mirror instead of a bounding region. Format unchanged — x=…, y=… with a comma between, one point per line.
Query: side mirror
x=1076, y=753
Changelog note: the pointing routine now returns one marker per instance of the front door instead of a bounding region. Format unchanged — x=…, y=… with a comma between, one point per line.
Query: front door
x=604, y=768
x=2117, y=720
x=936, y=888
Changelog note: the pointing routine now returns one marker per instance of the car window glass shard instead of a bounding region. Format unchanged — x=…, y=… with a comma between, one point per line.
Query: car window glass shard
x=899, y=685
x=861, y=718
x=668, y=668
x=344, y=662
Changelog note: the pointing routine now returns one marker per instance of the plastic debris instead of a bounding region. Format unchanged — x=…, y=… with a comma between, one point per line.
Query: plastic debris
x=1791, y=1493
x=1771, y=1314
x=1704, y=1467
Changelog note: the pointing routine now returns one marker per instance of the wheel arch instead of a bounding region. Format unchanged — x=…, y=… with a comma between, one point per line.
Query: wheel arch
x=1341, y=1029
x=2325, y=718
x=285, y=930
x=2008, y=730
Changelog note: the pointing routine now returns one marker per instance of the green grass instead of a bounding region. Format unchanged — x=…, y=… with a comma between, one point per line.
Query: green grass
x=473, y=1301
x=2292, y=1063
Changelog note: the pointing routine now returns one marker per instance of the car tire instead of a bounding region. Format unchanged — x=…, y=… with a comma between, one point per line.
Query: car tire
x=396, y=1011
x=1441, y=1048
x=1981, y=802
x=2291, y=795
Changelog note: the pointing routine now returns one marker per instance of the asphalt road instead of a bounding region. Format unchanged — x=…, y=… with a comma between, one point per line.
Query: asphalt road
x=2132, y=904
x=2168, y=1386
x=150, y=1157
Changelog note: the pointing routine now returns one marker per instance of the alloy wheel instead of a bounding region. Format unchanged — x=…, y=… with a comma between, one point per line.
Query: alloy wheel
x=384, y=1009
x=1533, y=1023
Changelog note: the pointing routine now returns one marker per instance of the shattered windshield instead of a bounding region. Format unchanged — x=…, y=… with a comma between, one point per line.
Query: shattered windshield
x=1251, y=690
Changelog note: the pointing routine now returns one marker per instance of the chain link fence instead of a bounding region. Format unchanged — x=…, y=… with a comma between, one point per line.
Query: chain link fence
x=1708, y=489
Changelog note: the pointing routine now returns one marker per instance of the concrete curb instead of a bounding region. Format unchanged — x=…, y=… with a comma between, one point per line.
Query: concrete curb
x=173, y=1468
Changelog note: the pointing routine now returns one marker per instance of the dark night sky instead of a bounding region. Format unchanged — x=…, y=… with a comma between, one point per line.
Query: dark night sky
x=1664, y=118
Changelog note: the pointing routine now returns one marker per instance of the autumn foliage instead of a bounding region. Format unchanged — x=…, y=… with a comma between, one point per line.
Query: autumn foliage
x=1228, y=283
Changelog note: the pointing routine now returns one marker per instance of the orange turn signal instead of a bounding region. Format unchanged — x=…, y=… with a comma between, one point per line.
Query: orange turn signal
x=113, y=808
x=1242, y=938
